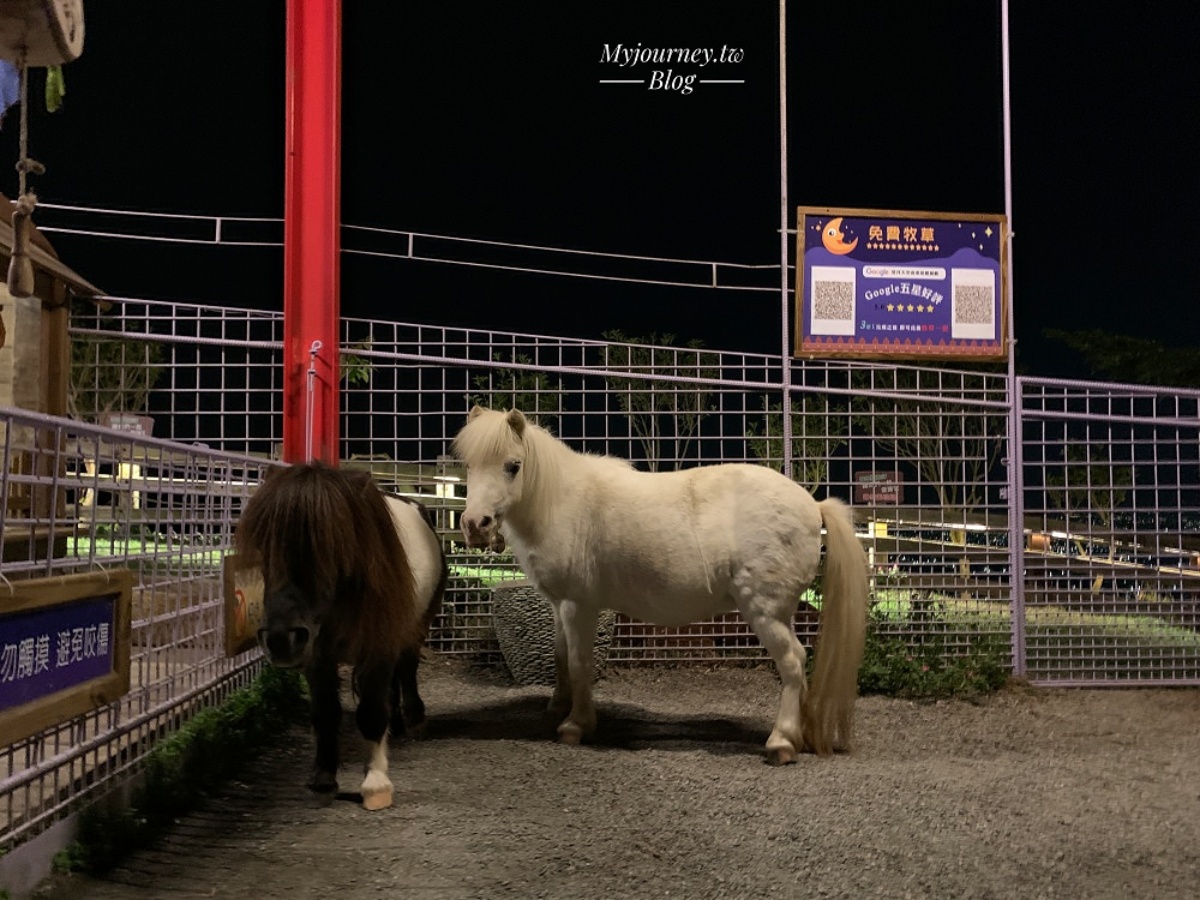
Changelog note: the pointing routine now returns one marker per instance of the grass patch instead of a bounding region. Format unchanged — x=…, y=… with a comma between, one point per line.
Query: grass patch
x=148, y=555
x=204, y=752
x=954, y=612
x=485, y=576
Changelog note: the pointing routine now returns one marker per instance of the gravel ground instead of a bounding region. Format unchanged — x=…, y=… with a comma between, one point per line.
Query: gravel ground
x=1074, y=794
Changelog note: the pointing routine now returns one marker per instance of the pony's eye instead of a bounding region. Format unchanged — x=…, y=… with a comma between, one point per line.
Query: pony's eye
x=512, y=467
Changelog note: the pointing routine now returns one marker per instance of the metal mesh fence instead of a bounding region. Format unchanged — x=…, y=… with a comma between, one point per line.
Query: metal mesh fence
x=79, y=498
x=914, y=449
x=1053, y=525
x=200, y=374
x=949, y=508
x=1112, y=508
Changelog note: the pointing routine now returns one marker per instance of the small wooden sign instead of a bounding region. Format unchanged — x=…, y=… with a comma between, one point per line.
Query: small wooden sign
x=142, y=426
x=64, y=648
x=878, y=487
x=243, y=605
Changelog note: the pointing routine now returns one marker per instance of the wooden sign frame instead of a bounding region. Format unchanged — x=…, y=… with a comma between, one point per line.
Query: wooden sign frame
x=19, y=722
x=902, y=282
x=243, y=604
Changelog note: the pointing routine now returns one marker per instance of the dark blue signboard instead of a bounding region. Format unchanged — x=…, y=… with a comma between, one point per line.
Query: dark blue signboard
x=64, y=648
x=898, y=284
x=44, y=651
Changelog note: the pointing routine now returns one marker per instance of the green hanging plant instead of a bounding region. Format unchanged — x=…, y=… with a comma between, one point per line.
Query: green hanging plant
x=56, y=88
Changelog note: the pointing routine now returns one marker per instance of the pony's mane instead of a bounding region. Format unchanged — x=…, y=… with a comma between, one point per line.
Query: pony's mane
x=488, y=439
x=330, y=532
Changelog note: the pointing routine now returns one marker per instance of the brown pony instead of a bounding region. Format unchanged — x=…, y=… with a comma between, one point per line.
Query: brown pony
x=350, y=575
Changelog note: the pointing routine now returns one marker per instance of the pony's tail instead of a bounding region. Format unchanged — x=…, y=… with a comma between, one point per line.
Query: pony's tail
x=828, y=712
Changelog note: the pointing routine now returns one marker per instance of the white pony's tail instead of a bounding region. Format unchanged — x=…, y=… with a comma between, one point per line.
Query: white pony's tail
x=828, y=713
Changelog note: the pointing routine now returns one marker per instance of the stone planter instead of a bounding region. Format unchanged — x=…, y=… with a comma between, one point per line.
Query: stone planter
x=524, y=623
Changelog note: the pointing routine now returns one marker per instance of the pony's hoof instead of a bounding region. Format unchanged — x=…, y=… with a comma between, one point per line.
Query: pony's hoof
x=377, y=791
x=783, y=755
x=558, y=709
x=321, y=799
x=323, y=784
x=416, y=731
x=570, y=734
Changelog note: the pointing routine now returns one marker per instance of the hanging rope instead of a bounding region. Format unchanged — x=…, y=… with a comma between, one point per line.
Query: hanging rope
x=20, y=266
x=310, y=400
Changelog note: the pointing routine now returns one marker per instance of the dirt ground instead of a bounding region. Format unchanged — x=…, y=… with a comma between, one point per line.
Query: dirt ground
x=1074, y=794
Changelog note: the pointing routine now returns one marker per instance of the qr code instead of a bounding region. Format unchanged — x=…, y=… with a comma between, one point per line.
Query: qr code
x=833, y=300
x=974, y=304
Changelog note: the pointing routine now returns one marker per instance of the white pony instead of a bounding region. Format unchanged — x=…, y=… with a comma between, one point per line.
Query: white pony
x=594, y=533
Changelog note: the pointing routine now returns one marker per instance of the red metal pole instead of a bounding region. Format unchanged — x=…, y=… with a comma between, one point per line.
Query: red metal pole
x=311, y=245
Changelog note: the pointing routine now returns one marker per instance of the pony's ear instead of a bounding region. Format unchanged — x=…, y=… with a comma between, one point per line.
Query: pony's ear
x=516, y=421
x=359, y=480
x=476, y=410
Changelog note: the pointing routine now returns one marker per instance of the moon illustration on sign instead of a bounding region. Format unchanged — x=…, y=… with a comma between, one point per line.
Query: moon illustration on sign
x=834, y=240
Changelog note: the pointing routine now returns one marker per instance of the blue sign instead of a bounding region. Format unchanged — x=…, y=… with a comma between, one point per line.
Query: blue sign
x=44, y=651
x=888, y=283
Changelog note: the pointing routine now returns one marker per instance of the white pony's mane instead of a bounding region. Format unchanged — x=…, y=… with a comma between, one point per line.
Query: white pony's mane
x=489, y=440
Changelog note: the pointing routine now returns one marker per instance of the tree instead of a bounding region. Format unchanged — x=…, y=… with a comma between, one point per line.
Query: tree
x=660, y=411
x=1133, y=360
x=111, y=375
x=355, y=369
x=818, y=430
x=1088, y=483
x=953, y=447
x=535, y=393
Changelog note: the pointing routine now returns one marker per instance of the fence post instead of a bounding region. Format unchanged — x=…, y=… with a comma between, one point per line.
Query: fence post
x=311, y=246
x=1016, y=521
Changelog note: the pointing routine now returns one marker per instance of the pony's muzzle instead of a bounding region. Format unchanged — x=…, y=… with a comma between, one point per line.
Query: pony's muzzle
x=482, y=531
x=285, y=647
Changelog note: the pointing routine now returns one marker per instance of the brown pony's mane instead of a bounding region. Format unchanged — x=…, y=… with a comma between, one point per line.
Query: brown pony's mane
x=330, y=533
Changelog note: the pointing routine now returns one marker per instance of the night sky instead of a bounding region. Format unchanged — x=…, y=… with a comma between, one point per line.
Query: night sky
x=489, y=121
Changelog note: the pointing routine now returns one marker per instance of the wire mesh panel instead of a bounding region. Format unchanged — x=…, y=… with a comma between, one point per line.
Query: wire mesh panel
x=81, y=498
x=922, y=453
x=193, y=374
x=926, y=453
x=917, y=451
x=662, y=407
x=1112, y=513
